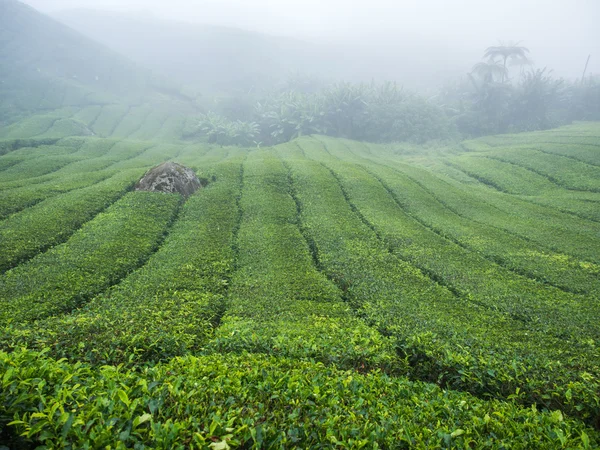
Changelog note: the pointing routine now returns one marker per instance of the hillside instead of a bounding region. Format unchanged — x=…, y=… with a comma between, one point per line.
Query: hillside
x=212, y=58
x=223, y=59
x=320, y=292
x=50, y=69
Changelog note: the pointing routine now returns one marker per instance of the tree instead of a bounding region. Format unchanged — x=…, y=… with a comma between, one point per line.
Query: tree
x=512, y=52
x=537, y=101
x=489, y=71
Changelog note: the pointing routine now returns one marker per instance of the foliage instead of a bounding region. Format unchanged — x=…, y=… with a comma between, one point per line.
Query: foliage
x=270, y=403
x=110, y=246
x=294, y=297
x=551, y=171
x=287, y=115
x=507, y=52
x=55, y=218
x=9, y=145
x=166, y=308
x=486, y=102
x=490, y=103
x=585, y=99
x=379, y=113
x=409, y=293
x=537, y=99
x=294, y=310
x=488, y=111
x=221, y=131
x=489, y=70
x=35, y=125
x=52, y=221
x=19, y=198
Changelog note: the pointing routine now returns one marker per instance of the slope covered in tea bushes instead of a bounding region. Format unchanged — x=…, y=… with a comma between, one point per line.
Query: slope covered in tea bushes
x=322, y=293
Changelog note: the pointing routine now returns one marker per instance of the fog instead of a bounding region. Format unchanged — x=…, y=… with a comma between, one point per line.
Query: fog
x=560, y=34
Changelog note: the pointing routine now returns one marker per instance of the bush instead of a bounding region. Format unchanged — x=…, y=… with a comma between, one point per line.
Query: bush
x=251, y=401
x=378, y=113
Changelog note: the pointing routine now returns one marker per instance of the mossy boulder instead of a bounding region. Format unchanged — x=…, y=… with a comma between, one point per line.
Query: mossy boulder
x=170, y=177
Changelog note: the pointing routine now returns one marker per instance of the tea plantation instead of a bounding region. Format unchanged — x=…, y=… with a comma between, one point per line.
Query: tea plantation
x=323, y=293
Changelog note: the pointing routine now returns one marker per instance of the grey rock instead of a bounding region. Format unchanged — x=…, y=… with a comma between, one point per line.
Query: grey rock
x=171, y=178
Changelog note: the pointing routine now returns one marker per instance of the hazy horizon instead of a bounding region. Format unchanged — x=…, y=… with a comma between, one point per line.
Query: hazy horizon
x=559, y=34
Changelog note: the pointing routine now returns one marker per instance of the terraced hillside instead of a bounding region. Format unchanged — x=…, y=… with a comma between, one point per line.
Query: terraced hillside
x=55, y=82
x=155, y=121
x=322, y=293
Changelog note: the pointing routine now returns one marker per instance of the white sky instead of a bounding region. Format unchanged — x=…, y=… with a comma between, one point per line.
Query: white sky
x=559, y=33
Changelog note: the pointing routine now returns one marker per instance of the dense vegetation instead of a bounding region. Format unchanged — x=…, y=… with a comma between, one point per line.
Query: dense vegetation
x=325, y=289
x=98, y=92
x=479, y=105
x=320, y=292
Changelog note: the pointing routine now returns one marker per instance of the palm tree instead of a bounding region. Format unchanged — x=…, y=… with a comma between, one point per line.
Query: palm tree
x=505, y=52
x=488, y=71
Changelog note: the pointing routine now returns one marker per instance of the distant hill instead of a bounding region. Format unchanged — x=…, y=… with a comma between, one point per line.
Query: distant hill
x=45, y=66
x=212, y=57
x=222, y=59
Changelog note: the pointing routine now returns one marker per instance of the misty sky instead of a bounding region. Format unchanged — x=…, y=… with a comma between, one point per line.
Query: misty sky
x=559, y=33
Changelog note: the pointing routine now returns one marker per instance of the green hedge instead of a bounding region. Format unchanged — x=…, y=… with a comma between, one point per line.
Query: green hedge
x=222, y=402
x=88, y=158
x=500, y=226
x=534, y=186
x=460, y=341
x=108, y=119
x=99, y=254
x=548, y=228
x=54, y=220
x=10, y=145
x=166, y=308
x=33, y=167
x=16, y=199
x=132, y=122
x=88, y=114
x=560, y=170
x=152, y=124
x=504, y=176
x=278, y=302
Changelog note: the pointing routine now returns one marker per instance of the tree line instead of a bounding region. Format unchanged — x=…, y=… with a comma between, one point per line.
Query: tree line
x=491, y=99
